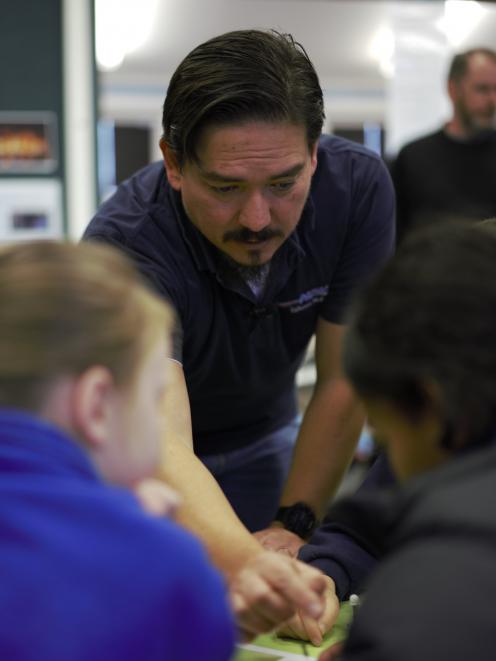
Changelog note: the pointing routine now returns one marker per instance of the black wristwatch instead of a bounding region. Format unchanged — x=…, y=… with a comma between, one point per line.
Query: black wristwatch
x=298, y=518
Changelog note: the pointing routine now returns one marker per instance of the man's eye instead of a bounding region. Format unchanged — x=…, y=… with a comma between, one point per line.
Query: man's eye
x=222, y=190
x=282, y=186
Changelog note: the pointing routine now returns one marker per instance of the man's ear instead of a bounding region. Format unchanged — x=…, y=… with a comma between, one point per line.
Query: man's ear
x=453, y=88
x=171, y=165
x=93, y=402
x=313, y=156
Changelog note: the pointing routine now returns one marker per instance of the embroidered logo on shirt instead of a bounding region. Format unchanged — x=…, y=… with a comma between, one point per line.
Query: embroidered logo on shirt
x=307, y=299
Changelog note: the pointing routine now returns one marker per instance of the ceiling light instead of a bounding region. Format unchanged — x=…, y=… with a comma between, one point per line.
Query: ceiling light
x=121, y=27
x=459, y=20
x=382, y=50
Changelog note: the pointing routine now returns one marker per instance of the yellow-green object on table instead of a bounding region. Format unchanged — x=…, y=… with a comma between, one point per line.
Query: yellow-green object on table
x=272, y=648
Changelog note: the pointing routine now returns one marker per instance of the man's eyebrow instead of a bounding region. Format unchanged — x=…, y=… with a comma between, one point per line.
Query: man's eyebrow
x=211, y=175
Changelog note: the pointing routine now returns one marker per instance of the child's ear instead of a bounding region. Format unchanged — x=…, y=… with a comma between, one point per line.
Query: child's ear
x=92, y=405
x=171, y=164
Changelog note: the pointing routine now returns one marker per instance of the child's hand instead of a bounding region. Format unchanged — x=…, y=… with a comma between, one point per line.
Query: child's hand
x=157, y=498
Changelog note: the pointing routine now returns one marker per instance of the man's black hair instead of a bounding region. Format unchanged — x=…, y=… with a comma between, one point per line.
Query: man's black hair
x=240, y=76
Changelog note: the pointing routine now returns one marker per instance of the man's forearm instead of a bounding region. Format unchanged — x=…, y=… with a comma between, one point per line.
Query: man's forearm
x=205, y=511
x=326, y=443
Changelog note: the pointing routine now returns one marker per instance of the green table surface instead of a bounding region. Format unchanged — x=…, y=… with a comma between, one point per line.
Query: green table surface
x=270, y=647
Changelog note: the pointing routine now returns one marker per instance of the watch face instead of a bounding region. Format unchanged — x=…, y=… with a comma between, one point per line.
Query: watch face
x=298, y=518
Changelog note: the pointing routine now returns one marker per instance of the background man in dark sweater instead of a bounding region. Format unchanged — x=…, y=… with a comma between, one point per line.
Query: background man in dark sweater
x=452, y=173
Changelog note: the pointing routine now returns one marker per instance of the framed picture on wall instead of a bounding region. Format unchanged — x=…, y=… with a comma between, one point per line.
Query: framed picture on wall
x=30, y=208
x=28, y=142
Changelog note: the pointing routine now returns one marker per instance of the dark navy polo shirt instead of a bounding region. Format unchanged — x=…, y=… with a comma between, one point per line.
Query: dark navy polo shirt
x=240, y=355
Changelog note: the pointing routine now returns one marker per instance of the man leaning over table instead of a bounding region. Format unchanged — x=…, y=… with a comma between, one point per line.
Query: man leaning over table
x=257, y=230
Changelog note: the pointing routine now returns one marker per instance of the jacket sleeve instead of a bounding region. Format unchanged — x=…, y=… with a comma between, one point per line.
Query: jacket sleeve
x=344, y=546
x=429, y=600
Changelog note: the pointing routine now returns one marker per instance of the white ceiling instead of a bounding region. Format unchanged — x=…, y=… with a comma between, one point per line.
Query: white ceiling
x=337, y=34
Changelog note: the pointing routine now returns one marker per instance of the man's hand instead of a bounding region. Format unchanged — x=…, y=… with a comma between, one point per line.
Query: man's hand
x=271, y=588
x=305, y=628
x=157, y=498
x=277, y=538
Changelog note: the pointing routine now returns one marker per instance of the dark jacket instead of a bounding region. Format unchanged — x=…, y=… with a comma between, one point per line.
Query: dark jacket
x=340, y=548
x=431, y=596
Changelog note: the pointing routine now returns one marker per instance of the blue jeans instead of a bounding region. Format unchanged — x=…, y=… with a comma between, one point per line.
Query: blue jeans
x=252, y=478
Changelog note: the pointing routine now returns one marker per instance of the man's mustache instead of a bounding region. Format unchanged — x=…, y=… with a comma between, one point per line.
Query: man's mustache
x=245, y=235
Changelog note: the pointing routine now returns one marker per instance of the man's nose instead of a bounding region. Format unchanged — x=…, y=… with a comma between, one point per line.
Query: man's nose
x=255, y=213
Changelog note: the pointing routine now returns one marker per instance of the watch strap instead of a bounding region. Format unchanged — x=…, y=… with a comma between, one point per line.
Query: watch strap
x=298, y=518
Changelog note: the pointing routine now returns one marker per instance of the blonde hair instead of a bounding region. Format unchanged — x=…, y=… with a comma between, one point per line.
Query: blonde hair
x=66, y=307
